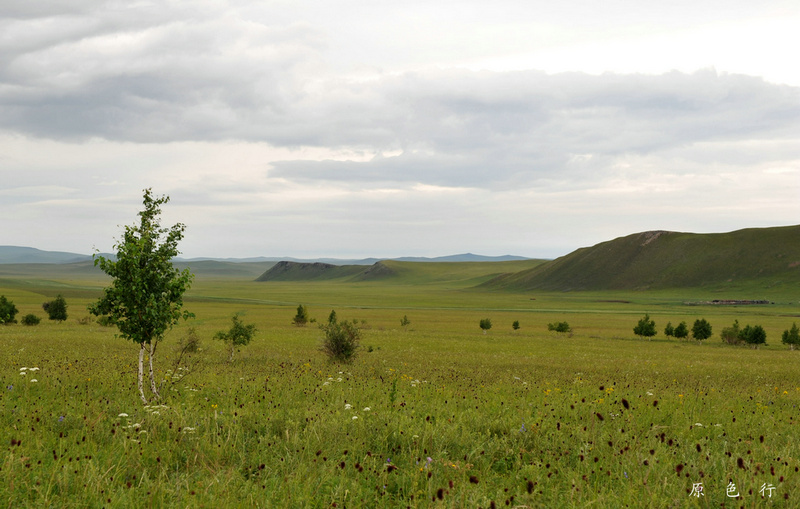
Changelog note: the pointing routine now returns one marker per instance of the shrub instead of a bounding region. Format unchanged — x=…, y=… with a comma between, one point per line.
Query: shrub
x=701, y=329
x=238, y=335
x=485, y=324
x=669, y=330
x=559, y=327
x=86, y=320
x=646, y=327
x=301, y=318
x=341, y=339
x=791, y=337
x=405, y=322
x=191, y=342
x=7, y=310
x=730, y=334
x=56, y=309
x=681, y=331
x=515, y=325
x=31, y=319
x=753, y=335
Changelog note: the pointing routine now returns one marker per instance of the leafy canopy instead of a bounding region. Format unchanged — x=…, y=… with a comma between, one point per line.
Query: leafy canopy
x=701, y=329
x=145, y=298
x=7, y=311
x=646, y=327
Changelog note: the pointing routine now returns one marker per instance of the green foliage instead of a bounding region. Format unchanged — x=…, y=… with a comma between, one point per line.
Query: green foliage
x=730, y=334
x=753, y=335
x=405, y=322
x=791, y=337
x=145, y=298
x=646, y=327
x=237, y=336
x=341, y=339
x=681, y=331
x=669, y=330
x=485, y=324
x=7, y=311
x=559, y=327
x=56, y=309
x=301, y=318
x=31, y=319
x=701, y=329
x=515, y=325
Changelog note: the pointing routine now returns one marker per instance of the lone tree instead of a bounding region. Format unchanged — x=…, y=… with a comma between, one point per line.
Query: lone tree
x=56, y=309
x=238, y=335
x=646, y=328
x=7, y=311
x=791, y=337
x=701, y=329
x=485, y=324
x=301, y=318
x=146, y=294
x=730, y=334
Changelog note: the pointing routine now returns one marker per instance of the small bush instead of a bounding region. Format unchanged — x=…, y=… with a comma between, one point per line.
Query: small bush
x=730, y=334
x=31, y=319
x=669, y=330
x=238, y=335
x=56, y=309
x=7, y=311
x=515, y=325
x=485, y=324
x=559, y=327
x=405, y=322
x=341, y=339
x=191, y=342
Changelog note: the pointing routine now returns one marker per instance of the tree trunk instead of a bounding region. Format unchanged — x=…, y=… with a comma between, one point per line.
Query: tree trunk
x=141, y=373
x=152, y=375
x=233, y=349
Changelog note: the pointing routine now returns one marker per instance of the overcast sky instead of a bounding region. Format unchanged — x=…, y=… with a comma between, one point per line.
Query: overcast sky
x=363, y=128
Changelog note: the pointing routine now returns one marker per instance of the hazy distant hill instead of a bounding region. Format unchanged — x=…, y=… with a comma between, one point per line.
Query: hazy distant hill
x=660, y=259
x=16, y=254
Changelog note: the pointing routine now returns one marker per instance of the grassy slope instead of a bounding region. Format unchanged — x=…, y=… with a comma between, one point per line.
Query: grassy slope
x=748, y=259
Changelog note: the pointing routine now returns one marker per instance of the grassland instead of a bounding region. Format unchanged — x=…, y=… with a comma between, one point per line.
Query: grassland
x=434, y=415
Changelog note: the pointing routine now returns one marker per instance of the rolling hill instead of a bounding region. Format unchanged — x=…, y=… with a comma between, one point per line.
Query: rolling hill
x=661, y=259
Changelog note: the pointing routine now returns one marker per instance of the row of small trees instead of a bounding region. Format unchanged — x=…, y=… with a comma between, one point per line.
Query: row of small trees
x=56, y=310
x=752, y=335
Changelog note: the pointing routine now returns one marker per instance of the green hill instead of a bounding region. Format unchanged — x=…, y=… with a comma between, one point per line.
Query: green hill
x=297, y=271
x=759, y=257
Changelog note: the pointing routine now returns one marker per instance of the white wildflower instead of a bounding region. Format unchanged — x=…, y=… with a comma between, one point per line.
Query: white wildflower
x=366, y=409
x=348, y=406
x=355, y=417
x=23, y=369
x=34, y=380
x=34, y=369
x=123, y=414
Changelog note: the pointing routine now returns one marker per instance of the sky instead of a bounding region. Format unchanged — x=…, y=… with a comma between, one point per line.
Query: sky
x=369, y=128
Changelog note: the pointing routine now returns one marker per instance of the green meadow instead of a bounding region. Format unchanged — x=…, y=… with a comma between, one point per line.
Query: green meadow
x=434, y=414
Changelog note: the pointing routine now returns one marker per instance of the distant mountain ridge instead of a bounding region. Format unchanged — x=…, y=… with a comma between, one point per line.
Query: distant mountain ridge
x=662, y=259
x=18, y=254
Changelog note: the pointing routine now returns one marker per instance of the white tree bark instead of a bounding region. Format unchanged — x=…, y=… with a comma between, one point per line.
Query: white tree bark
x=141, y=373
x=152, y=374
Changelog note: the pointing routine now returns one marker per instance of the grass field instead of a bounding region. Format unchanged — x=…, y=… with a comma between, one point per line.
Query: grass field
x=434, y=415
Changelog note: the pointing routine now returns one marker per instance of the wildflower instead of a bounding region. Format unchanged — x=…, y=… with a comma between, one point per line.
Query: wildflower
x=523, y=429
x=366, y=409
x=23, y=373
x=34, y=369
x=123, y=415
x=348, y=406
x=10, y=387
x=355, y=417
x=60, y=418
x=34, y=380
x=23, y=369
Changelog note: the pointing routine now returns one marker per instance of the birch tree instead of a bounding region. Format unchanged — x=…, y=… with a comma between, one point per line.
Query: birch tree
x=145, y=298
